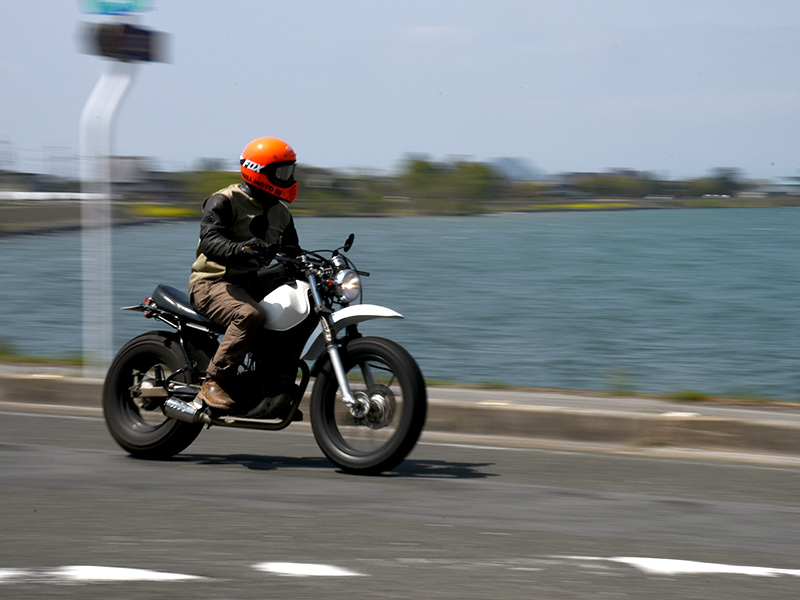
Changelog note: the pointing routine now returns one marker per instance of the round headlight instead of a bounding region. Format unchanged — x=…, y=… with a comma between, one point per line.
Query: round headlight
x=348, y=286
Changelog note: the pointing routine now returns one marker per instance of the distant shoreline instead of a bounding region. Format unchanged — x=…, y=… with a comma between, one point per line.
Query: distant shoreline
x=51, y=217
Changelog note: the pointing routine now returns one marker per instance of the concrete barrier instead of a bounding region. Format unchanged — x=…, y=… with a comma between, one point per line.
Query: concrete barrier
x=591, y=425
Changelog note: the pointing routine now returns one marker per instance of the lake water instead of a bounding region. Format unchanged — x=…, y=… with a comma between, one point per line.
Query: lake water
x=640, y=301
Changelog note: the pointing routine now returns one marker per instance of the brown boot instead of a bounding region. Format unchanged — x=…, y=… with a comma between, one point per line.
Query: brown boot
x=212, y=394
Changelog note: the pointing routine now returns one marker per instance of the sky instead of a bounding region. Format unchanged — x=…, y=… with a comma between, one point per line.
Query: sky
x=677, y=88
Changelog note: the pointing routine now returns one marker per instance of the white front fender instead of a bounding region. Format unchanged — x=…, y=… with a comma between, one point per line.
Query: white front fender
x=349, y=315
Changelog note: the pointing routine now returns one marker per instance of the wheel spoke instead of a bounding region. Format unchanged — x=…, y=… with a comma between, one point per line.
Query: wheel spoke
x=142, y=417
x=373, y=380
x=366, y=371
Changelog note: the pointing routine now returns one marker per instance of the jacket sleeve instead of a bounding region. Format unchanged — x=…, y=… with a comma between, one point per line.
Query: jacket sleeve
x=215, y=242
x=289, y=236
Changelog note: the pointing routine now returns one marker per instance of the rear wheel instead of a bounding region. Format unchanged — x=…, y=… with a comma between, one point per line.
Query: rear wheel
x=385, y=378
x=135, y=419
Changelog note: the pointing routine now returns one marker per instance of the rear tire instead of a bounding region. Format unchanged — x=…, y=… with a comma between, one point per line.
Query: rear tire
x=384, y=374
x=137, y=425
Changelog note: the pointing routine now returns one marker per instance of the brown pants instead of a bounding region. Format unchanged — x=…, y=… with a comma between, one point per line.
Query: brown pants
x=229, y=305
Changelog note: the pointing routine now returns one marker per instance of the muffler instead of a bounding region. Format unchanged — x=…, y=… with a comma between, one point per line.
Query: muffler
x=186, y=411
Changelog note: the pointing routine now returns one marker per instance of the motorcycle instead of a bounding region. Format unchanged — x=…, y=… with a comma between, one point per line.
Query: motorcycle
x=368, y=402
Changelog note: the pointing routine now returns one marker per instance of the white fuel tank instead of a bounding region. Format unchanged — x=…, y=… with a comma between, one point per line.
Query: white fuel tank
x=287, y=306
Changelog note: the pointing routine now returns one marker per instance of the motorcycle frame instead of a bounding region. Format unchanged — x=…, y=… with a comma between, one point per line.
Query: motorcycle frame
x=322, y=345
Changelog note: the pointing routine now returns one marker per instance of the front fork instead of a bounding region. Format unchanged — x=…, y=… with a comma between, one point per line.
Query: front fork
x=358, y=407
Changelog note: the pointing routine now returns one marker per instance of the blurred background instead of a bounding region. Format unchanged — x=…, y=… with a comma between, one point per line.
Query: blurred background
x=506, y=141
x=676, y=89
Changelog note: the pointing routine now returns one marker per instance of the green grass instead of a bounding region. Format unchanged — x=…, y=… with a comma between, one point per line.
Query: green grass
x=161, y=211
x=688, y=396
x=9, y=354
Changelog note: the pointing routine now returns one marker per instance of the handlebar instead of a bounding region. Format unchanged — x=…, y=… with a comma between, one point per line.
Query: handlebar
x=305, y=261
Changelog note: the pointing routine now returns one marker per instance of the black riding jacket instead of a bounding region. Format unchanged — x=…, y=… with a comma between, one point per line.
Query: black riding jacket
x=232, y=216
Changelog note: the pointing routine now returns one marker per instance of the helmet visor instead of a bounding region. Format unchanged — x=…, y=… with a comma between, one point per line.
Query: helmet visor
x=283, y=173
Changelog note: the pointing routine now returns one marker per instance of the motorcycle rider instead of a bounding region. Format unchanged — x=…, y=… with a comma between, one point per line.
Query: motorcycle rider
x=239, y=223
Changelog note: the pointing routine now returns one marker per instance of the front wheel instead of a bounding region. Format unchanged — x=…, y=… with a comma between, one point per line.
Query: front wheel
x=134, y=418
x=383, y=376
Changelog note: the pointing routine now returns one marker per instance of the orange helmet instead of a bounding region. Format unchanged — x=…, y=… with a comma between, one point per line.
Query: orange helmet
x=268, y=164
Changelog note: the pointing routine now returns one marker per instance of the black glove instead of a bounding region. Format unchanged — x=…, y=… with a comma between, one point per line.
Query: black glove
x=259, y=248
x=291, y=250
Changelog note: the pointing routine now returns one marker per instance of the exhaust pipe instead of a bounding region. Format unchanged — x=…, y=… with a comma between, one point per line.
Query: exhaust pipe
x=185, y=411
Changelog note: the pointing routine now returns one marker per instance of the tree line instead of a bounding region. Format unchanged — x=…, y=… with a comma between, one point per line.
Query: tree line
x=425, y=186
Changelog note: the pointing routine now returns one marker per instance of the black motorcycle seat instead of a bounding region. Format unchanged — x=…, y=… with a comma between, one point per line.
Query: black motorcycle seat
x=176, y=301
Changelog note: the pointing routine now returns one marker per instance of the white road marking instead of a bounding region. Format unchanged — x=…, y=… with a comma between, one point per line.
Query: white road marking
x=305, y=570
x=8, y=574
x=473, y=446
x=88, y=574
x=99, y=574
x=670, y=566
x=91, y=573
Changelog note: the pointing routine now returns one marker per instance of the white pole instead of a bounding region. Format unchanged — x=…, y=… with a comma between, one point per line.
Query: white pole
x=95, y=159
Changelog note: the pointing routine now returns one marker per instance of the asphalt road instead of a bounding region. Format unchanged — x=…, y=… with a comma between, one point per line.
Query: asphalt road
x=263, y=515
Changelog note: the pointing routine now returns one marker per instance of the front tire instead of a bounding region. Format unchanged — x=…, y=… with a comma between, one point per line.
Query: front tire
x=137, y=424
x=385, y=375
